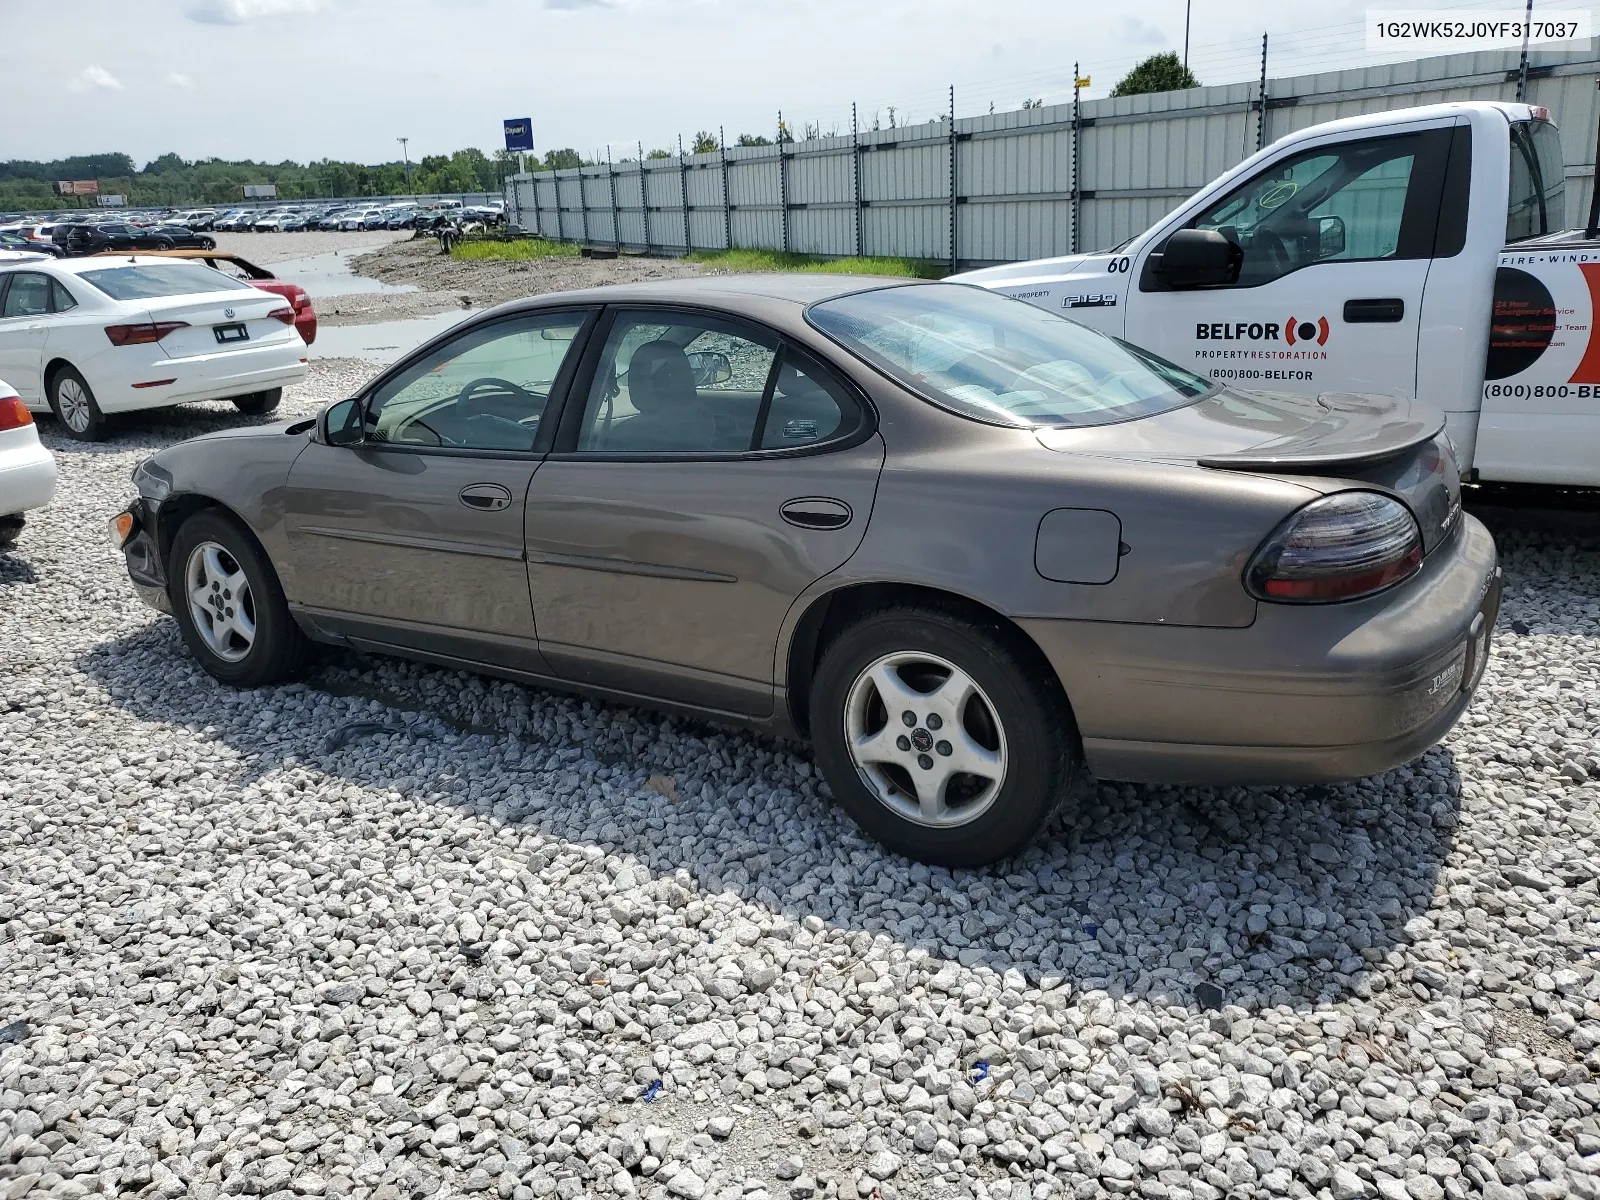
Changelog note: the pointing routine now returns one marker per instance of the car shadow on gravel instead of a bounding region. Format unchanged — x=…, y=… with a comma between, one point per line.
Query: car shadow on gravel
x=1178, y=895
x=16, y=569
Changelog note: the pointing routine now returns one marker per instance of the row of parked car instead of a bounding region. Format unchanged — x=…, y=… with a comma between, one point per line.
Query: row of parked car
x=294, y=218
x=97, y=233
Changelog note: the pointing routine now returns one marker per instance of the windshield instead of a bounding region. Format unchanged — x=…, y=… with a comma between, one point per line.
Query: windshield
x=1003, y=361
x=154, y=282
x=1537, y=200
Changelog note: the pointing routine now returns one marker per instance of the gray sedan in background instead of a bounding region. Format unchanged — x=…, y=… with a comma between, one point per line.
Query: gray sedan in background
x=964, y=546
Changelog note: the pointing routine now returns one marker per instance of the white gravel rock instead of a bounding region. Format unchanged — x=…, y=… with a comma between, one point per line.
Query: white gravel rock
x=528, y=946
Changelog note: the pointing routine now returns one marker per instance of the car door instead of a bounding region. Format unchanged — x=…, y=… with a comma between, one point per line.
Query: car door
x=413, y=537
x=705, y=475
x=25, y=311
x=1336, y=243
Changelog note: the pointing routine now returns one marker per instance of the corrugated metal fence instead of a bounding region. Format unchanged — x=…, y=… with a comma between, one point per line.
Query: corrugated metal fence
x=1000, y=188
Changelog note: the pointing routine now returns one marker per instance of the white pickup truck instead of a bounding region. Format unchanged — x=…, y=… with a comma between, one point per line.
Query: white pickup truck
x=1413, y=253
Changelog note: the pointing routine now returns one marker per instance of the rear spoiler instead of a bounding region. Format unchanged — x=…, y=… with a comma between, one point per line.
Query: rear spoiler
x=1396, y=426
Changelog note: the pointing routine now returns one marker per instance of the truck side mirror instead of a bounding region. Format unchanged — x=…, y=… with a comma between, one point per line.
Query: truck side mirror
x=341, y=423
x=1195, y=258
x=1330, y=237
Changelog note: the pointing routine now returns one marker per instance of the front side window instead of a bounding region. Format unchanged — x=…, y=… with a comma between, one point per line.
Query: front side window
x=28, y=295
x=1537, y=201
x=676, y=384
x=485, y=390
x=1352, y=202
x=1002, y=361
x=159, y=280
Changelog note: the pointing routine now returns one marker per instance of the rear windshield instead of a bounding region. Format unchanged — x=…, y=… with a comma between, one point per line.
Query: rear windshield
x=155, y=281
x=1002, y=361
x=1537, y=201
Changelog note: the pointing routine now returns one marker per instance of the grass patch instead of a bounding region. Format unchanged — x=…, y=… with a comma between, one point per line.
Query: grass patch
x=520, y=250
x=777, y=260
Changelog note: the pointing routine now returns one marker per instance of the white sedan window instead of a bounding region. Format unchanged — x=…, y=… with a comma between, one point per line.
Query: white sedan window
x=28, y=295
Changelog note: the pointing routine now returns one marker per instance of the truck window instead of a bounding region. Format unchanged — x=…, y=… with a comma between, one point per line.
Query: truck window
x=1537, y=201
x=1377, y=198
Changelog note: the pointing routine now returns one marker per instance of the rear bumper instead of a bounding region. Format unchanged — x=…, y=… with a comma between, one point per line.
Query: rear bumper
x=1307, y=694
x=208, y=377
x=27, y=473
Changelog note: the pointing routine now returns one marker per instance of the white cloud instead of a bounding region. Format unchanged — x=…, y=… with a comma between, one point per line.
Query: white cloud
x=237, y=12
x=95, y=77
x=180, y=81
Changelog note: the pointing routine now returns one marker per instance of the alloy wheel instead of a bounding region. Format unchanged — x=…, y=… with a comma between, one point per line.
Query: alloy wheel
x=73, y=403
x=925, y=739
x=220, y=601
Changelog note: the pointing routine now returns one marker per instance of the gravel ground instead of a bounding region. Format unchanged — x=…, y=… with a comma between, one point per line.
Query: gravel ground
x=265, y=248
x=509, y=943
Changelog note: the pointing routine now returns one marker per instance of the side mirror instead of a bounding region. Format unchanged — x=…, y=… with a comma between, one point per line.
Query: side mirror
x=341, y=423
x=710, y=367
x=1195, y=258
x=1330, y=237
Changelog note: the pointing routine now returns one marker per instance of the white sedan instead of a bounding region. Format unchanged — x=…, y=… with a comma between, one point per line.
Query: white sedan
x=27, y=472
x=85, y=337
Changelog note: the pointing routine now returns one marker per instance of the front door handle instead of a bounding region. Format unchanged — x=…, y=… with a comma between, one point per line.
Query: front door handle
x=1374, y=312
x=816, y=512
x=486, y=497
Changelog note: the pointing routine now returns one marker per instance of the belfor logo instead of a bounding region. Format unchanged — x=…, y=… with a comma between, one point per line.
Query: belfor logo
x=1295, y=330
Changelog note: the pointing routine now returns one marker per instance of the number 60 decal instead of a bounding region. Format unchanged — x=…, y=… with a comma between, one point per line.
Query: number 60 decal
x=1118, y=266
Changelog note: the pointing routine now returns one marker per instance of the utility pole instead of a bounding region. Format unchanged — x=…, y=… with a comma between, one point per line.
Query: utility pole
x=405, y=150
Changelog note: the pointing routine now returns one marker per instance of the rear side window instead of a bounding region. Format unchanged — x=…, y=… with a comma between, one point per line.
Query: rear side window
x=155, y=281
x=1537, y=200
x=60, y=297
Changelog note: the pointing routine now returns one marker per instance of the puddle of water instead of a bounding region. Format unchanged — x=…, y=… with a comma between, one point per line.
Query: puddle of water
x=331, y=274
x=383, y=341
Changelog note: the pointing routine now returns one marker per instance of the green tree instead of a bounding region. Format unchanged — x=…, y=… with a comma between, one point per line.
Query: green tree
x=659, y=154
x=705, y=143
x=754, y=139
x=562, y=160
x=1158, y=73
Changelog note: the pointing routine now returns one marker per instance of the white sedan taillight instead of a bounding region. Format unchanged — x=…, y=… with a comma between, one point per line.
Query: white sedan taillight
x=1341, y=547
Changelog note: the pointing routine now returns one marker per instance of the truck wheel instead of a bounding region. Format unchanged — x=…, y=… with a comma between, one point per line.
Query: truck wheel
x=73, y=403
x=258, y=403
x=942, y=739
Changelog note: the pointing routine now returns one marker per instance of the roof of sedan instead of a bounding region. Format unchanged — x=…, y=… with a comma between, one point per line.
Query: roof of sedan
x=797, y=288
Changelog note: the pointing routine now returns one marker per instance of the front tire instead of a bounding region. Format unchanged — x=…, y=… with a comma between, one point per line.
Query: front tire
x=230, y=606
x=258, y=403
x=987, y=754
x=73, y=402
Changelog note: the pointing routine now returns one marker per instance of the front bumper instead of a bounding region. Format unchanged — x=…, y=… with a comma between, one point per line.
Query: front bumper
x=1307, y=694
x=142, y=554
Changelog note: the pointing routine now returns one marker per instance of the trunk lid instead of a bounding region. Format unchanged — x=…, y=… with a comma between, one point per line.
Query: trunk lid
x=207, y=312
x=1387, y=443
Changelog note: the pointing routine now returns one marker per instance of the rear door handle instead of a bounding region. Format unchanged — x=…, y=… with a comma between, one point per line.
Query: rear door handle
x=1374, y=312
x=487, y=497
x=816, y=512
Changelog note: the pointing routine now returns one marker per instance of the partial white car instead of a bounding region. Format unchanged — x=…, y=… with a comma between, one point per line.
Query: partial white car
x=27, y=471
x=86, y=337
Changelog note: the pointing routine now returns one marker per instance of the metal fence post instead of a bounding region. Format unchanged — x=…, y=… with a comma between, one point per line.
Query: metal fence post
x=644, y=199
x=583, y=204
x=1077, y=149
x=683, y=191
x=611, y=191
x=855, y=172
x=783, y=184
x=952, y=179
x=727, y=215
x=1261, y=102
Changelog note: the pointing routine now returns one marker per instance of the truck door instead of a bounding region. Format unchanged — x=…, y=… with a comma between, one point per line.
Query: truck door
x=1336, y=243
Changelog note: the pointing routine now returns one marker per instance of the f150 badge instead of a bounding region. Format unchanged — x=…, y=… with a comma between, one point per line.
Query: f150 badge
x=1090, y=300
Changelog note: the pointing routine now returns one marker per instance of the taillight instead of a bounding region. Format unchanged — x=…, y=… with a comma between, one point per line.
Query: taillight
x=301, y=301
x=141, y=335
x=14, y=413
x=286, y=315
x=1340, y=547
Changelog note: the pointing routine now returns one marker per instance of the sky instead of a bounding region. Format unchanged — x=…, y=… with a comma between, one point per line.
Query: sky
x=307, y=79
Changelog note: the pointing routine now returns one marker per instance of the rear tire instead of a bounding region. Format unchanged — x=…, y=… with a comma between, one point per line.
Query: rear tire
x=977, y=700
x=73, y=402
x=259, y=403
x=230, y=606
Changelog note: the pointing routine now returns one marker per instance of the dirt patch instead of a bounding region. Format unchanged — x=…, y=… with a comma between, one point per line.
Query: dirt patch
x=268, y=248
x=446, y=283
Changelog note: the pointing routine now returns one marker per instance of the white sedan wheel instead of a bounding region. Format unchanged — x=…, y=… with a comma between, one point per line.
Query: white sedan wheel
x=73, y=401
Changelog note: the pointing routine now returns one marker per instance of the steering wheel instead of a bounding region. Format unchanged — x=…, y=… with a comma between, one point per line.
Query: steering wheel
x=468, y=404
x=1273, y=249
